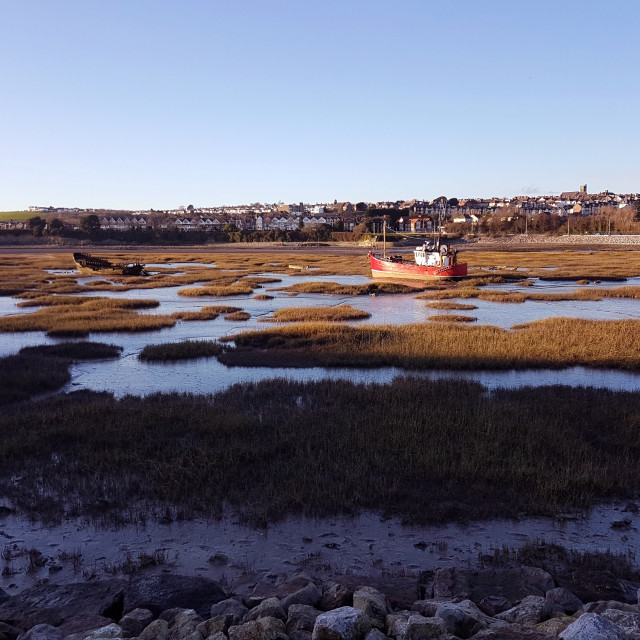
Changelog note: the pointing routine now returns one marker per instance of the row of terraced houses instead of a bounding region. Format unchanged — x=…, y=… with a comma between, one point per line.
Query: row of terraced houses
x=264, y=217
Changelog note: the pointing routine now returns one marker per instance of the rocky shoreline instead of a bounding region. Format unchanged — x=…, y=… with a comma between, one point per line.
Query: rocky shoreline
x=501, y=603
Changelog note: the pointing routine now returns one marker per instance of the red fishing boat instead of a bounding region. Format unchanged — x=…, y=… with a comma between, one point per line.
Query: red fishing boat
x=432, y=260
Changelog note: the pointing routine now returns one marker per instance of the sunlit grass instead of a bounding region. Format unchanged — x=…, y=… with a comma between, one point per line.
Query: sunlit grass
x=340, y=313
x=554, y=342
x=91, y=315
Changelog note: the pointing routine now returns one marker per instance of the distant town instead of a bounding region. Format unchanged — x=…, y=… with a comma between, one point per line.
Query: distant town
x=543, y=213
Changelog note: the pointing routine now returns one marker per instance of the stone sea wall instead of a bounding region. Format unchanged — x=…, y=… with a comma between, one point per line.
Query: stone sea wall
x=498, y=604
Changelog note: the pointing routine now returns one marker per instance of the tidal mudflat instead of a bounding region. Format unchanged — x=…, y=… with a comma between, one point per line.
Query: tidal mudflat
x=275, y=288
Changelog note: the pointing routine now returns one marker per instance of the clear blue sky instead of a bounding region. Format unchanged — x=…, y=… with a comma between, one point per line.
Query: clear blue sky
x=132, y=103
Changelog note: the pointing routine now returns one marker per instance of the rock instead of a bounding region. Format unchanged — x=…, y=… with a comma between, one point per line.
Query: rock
x=301, y=617
x=7, y=632
x=309, y=595
x=336, y=596
x=531, y=610
x=397, y=622
x=413, y=626
x=267, y=608
x=463, y=619
x=246, y=631
x=212, y=626
x=493, y=605
x=135, y=621
x=42, y=632
x=344, y=623
x=156, y=630
x=54, y=604
x=375, y=634
x=112, y=630
x=512, y=584
x=564, y=600
x=170, y=614
x=373, y=604
x=514, y=632
x=426, y=608
x=183, y=625
x=271, y=628
x=592, y=626
x=217, y=636
x=590, y=586
x=158, y=592
x=77, y=627
x=627, y=620
x=555, y=626
x=232, y=609
x=602, y=605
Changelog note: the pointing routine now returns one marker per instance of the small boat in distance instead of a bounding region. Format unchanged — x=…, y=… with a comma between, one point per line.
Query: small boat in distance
x=90, y=264
x=432, y=260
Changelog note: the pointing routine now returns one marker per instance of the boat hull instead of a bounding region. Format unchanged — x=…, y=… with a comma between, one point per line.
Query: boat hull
x=385, y=268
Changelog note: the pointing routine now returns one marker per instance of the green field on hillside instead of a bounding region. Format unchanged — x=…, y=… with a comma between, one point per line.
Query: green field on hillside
x=18, y=215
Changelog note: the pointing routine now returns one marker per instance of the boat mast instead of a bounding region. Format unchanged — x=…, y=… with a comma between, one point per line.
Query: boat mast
x=384, y=238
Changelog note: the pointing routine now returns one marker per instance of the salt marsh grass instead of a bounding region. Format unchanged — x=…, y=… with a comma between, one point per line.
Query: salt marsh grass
x=276, y=448
x=549, y=343
x=453, y=306
x=452, y=317
x=340, y=313
x=108, y=314
x=186, y=350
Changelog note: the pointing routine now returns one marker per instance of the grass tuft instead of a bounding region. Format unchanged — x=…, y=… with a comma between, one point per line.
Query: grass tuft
x=186, y=350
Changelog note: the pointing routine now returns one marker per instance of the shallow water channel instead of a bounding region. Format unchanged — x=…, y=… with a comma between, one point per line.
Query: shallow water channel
x=367, y=544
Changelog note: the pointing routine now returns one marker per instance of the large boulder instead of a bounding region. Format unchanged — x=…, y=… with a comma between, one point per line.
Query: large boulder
x=626, y=620
x=334, y=596
x=310, y=595
x=512, y=584
x=601, y=606
x=564, y=600
x=426, y=608
x=272, y=628
x=246, y=631
x=156, y=630
x=592, y=626
x=464, y=619
x=413, y=626
x=135, y=621
x=183, y=625
x=532, y=610
x=42, y=632
x=345, y=623
x=270, y=607
x=158, y=592
x=301, y=617
x=373, y=604
x=229, y=611
x=514, y=632
x=55, y=604
x=598, y=585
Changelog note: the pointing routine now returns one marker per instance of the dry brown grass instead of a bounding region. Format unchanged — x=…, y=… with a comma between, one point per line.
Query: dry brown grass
x=571, y=264
x=451, y=317
x=340, y=313
x=453, y=306
x=206, y=313
x=263, y=296
x=91, y=315
x=333, y=288
x=494, y=295
x=554, y=342
x=217, y=290
x=238, y=316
